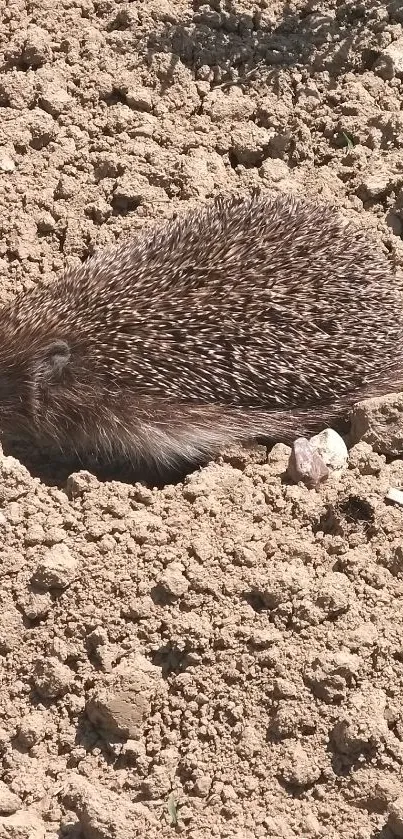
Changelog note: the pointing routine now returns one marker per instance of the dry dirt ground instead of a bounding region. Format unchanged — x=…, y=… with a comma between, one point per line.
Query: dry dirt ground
x=224, y=657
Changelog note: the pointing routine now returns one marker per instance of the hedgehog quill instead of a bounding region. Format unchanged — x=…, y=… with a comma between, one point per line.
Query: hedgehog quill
x=254, y=317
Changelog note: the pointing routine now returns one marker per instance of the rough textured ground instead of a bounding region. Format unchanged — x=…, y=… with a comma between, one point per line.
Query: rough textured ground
x=222, y=658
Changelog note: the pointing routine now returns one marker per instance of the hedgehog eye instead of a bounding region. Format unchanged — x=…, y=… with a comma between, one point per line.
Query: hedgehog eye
x=52, y=360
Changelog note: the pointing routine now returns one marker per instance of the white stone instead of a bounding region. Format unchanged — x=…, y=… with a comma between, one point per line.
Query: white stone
x=395, y=495
x=331, y=448
x=390, y=61
x=6, y=163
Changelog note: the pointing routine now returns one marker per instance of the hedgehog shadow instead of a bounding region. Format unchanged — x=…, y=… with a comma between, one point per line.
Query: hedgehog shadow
x=225, y=40
x=54, y=469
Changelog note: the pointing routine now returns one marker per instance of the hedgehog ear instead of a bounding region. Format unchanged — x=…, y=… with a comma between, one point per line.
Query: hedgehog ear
x=52, y=360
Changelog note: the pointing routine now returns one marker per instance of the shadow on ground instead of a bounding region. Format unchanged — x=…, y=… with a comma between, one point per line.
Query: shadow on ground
x=236, y=45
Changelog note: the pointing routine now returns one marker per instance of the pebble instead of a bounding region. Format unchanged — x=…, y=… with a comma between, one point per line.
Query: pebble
x=374, y=185
x=300, y=769
x=202, y=786
x=119, y=708
x=139, y=98
x=57, y=569
x=390, y=62
x=278, y=458
x=35, y=535
x=119, y=713
x=103, y=813
x=36, y=605
x=6, y=163
x=107, y=165
x=37, y=50
x=9, y=802
x=363, y=458
x=79, y=482
x=158, y=783
x=173, y=582
x=331, y=675
x=395, y=495
x=55, y=100
x=249, y=142
x=362, y=724
x=274, y=170
x=331, y=448
x=32, y=729
x=22, y=825
x=306, y=464
x=379, y=422
x=52, y=678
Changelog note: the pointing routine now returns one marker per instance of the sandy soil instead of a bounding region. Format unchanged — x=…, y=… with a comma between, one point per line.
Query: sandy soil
x=222, y=658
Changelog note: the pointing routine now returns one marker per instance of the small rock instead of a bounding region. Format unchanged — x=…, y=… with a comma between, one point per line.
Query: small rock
x=201, y=548
x=103, y=813
x=300, y=768
x=285, y=689
x=334, y=594
x=232, y=106
x=120, y=708
x=79, y=482
x=99, y=210
x=57, y=569
x=6, y=163
x=305, y=464
x=278, y=458
x=202, y=786
x=11, y=624
x=274, y=170
x=46, y=223
x=373, y=185
x=362, y=725
x=158, y=782
x=363, y=458
x=387, y=789
x=43, y=129
x=173, y=582
x=119, y=713
x=36, y=605
x=249, y=143
x=379, y=422
x=141, y=608
x=54, y=100
x=131, y=191
x=143, y=494
x=107, y=165
x=52, y=678
x=35, y=535
x=264, y=638
x=36, y=51
x=22, y=825
x=31, y=730
x=9, y=802
x=331, y=448
x=390, y=62
x=66, y=187
x=134, y=750
x=395, y=495
x=4, y=740
x=139, y=98
x=395, y=820
x=331, y=675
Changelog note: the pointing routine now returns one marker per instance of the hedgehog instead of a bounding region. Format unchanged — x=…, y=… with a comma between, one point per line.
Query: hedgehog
x=260, y=317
